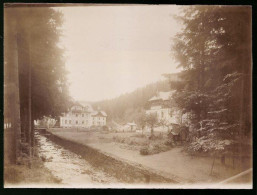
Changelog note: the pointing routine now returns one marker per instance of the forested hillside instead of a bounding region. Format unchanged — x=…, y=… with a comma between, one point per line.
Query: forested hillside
x=127, y=107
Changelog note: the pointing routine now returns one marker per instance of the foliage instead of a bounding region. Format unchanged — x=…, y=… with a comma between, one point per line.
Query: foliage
x=151, y=120
x=221, y=127
x=144, y=151
x=164, y=123
x=141, y=120
x=38, y=33
x=154, y=148
x=214, y=49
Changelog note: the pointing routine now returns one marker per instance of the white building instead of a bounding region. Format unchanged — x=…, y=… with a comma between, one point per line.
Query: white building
x=47, y=122
x=129, y=126
x=161, y=105
x=83, y=116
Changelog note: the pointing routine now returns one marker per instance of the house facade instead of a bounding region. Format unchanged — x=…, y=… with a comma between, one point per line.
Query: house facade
x=83, y=116
x=162, y=105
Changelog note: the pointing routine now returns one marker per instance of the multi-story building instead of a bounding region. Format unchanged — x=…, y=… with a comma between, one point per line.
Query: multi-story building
x=98, y=118
x=162, y=105
x=83, y=116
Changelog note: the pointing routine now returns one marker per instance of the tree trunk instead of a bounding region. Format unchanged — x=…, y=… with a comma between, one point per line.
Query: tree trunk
x=241, y=129
x=11, y=50
x=246, y=99
x=23, y=81
x=223, y=159
x=29, y=100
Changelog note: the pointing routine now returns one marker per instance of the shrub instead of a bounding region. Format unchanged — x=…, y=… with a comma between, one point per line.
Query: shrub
x=122, y=140
x=132, y=142
x=144, y=151
x=156, y=147
x=168, y=142
x=139, y=135
x=159, y=136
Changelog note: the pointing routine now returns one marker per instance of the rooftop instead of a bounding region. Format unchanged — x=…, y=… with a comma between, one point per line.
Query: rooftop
x=162, y=96
x=99, y=113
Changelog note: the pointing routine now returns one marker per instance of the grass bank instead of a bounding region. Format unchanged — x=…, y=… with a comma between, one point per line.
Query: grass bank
x=23, y=176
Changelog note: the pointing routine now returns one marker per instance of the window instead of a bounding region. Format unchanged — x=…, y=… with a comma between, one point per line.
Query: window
x=76, y=122
x=82, y=115
x=82, y=122
x=76, y=115
x=98, y=118
x=65, y=121
x=70, y=121
x=162, y=114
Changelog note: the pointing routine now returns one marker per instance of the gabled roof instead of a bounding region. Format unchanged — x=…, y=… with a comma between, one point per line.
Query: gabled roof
x=86, y=105
x=162, y=96
x=99, y=113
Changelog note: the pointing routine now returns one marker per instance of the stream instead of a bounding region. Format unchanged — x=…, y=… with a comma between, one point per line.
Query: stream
x=69, y=167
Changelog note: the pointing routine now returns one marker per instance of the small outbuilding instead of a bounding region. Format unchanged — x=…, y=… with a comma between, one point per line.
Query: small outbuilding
x=179, y=133
x=130, y=126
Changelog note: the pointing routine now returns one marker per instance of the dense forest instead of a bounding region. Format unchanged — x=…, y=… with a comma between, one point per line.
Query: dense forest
x=127, y=107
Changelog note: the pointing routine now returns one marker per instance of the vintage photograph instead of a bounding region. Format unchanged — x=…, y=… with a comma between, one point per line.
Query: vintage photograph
x=127, y=96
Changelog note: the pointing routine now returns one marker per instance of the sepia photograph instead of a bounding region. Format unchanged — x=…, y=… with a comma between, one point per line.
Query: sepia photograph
x=127, y=96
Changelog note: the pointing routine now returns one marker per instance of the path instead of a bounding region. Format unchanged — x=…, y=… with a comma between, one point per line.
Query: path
x=173, y=163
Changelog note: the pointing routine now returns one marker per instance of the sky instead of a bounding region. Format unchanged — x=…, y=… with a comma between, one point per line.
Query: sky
x=112, y=50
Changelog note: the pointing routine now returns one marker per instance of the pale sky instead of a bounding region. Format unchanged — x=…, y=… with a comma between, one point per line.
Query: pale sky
x=111, y=50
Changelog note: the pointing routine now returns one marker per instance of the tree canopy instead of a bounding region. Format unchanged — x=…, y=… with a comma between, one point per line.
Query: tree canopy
x=214, y=50
x=38, y=32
